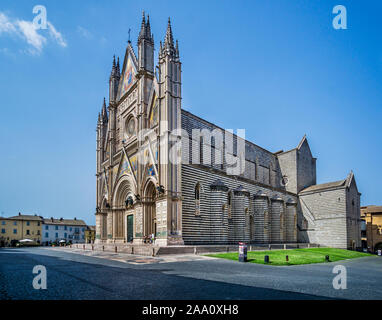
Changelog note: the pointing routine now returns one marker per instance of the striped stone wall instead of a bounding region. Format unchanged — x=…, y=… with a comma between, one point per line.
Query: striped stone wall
x=253, y=215
x=277, y=210
x=260, y=165
x=260, y=204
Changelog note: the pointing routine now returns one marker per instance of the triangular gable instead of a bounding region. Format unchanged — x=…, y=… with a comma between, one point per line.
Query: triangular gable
x=129, y=71
x=153, y=105
x=149, y=170
x=104, y=185
x=125, y=168
x=351, y=180
x=304, y=144
x=301, y=142
x=134, y=164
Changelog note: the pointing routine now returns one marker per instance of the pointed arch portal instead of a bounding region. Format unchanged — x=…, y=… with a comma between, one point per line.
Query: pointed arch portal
x=123, y=191
x=149, y=209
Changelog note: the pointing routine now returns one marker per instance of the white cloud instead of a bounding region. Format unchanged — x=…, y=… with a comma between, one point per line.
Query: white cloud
x=5, y=25
x=56, y=35
x=30, y=34
x=27, y=31
x=84, y=32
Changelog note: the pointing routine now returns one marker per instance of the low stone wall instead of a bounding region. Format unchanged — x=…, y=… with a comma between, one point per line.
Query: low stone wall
x=144, y=250
x=153, y=250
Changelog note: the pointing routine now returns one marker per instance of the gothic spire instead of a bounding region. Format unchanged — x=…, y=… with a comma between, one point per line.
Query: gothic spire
x=169, y=39
x=104, y=111
x=118, y=69
x=145, y=33
x=177, y=49
x=142, y=34
x=113, y=69
x=148, y=28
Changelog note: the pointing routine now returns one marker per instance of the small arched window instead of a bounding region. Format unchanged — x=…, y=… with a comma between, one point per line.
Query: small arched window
x=197, y=191
x=197, y=199
x=230, y=205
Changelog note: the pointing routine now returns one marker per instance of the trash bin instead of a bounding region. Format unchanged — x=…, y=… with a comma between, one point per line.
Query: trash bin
x=242, y=252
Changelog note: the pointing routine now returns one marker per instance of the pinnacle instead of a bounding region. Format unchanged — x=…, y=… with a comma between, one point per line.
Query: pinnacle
x=169, y=39
x=114, y=68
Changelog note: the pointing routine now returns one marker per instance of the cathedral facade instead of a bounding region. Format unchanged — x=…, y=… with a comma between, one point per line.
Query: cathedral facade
x=167, y=175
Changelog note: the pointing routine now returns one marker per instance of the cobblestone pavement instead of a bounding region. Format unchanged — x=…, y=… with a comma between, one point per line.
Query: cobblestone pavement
x=100, y=275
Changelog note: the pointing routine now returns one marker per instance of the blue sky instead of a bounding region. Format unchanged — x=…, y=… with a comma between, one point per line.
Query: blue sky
x=276, y=68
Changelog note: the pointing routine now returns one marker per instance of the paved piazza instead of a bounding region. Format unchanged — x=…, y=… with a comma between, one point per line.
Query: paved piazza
x=78, y=274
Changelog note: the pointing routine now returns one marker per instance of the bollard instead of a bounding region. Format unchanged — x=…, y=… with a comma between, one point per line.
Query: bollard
x=83, y=247
x=92, y=247
x=194, y=250
x=153, y=252
x=103, y=248
x=269, y=247
x=308, y=245
x=284, y=246
x=266, y=259
x=286, y=258
x=132, y=250
x=242, y=252
x=327, y=258
x=115, y=249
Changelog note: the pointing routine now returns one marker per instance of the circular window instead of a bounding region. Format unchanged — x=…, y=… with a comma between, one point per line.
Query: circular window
x=284, y=181
x=130, y=127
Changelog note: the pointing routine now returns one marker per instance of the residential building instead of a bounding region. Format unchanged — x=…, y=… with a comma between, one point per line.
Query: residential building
x=371, y=233
x=70, y=230
x=90, y=234
x=22, y=226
